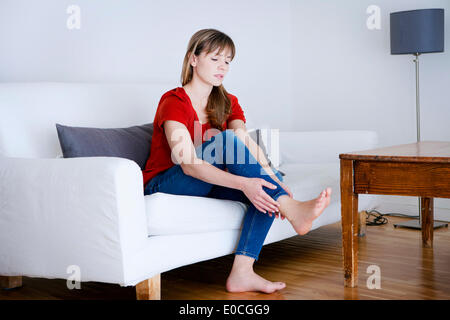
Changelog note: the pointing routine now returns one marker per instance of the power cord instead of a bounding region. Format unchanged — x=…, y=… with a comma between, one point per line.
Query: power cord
x=376, y=218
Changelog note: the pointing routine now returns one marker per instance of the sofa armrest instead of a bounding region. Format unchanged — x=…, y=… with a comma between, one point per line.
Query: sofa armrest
x=88, y=212
x=323, y=146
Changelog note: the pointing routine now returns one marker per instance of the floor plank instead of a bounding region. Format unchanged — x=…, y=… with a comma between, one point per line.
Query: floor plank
x=311, y=266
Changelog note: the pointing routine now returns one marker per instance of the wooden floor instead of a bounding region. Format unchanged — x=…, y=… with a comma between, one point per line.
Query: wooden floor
x=310, y=265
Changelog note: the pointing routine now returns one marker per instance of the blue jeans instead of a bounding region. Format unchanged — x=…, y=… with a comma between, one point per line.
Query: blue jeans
x=256, y=224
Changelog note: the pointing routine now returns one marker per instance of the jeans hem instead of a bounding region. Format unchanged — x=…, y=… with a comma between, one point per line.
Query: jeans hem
x=248, y=254
x=276, y=196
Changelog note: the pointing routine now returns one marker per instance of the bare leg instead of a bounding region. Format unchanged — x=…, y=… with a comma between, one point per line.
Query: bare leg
x=243, y=278
x=301, y=214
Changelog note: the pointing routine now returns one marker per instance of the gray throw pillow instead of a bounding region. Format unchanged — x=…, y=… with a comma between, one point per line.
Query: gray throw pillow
x=256, y=136
x=131, y=143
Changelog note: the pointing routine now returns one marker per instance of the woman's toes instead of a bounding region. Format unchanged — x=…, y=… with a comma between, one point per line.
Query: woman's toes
x=274, y=286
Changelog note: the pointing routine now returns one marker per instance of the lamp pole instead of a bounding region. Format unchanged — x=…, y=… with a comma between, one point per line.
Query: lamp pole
x=416, y=62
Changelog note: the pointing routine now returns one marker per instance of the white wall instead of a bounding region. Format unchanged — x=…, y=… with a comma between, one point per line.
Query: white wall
x=344, y=77
x=300, y=64
x=145, y=41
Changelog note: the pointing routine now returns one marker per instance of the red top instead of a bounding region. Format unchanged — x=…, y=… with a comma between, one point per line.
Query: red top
x=176, y=105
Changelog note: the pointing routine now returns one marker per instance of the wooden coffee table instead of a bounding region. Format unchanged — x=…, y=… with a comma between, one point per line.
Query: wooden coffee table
x=419, y=169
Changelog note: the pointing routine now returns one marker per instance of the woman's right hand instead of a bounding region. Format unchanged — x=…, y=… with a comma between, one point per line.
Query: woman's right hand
x=252, y=188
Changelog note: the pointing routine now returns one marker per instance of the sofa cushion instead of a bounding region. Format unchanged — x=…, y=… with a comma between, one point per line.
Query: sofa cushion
x=309, y=179
x=131, y=143
x=179, y=214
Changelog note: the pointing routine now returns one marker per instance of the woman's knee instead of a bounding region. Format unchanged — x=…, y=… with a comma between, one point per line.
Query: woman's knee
x=230, y=140
x=224, y=137
x=212, y=151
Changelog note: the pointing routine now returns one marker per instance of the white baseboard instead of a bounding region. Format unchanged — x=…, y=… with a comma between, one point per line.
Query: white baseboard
x=410, y=206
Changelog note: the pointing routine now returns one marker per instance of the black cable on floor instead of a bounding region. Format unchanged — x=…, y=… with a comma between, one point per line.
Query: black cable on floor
x=376, y=218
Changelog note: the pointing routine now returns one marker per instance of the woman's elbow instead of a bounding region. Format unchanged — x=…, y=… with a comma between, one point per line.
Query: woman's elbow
x=188, y=169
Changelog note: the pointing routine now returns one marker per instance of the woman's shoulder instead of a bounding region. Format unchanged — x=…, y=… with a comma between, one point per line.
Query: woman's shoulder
x=234, y=101
x=231, y=96
x=177, y=93
x=175, y=96
x=174, y=101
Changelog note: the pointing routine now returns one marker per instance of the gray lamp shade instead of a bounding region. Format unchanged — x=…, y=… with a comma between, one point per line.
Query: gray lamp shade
x=417, y=31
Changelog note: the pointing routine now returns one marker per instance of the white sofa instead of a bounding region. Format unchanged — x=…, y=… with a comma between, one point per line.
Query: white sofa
x=91, y=212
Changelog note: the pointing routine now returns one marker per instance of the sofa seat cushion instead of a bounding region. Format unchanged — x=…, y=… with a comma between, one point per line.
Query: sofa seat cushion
x=178, y=214
x=307, y=180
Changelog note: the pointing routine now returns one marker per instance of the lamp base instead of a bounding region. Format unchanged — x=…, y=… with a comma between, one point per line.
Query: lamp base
x=415, y=224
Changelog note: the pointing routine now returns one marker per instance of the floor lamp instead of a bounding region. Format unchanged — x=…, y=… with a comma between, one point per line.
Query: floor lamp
x=416, y=32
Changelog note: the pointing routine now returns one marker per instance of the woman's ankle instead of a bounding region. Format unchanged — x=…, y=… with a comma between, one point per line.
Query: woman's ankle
x=286, y=204
x=242, y=263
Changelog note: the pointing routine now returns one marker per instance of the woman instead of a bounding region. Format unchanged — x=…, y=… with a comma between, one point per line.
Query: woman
x=200, y=117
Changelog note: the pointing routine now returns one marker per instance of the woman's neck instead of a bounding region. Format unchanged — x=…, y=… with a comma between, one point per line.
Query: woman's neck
x=198, y=90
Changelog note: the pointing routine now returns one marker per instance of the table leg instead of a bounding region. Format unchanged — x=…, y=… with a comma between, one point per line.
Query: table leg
x=349, y=213
x=362, y=223
x=427, y=216
x=10, y=282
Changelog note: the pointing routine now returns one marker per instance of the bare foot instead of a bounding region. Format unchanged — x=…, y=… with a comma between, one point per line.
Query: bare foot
x=301, y=214
x=250, y=281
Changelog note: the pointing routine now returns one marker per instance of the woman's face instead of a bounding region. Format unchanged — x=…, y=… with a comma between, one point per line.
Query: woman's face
x=212, y=68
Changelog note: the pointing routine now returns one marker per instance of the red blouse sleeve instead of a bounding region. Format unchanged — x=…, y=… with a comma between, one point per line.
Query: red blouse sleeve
x=172, y=108
x=236, y=110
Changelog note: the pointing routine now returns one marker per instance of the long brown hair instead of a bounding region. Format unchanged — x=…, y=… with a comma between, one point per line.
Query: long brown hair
x=218, y=107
